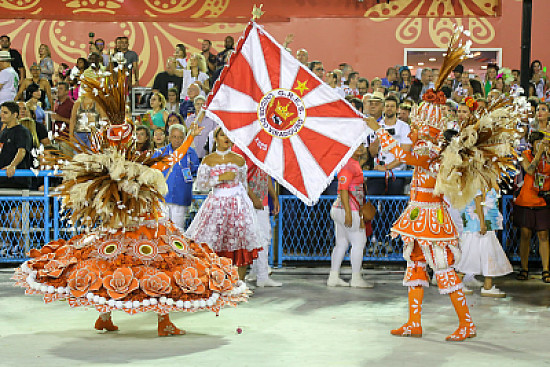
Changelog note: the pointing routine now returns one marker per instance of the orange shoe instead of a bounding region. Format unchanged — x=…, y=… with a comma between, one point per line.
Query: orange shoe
x=462, y=333
x=104, y=322
x=409, y=329
x=466, y=328
x=413, y=327
x=166, y=328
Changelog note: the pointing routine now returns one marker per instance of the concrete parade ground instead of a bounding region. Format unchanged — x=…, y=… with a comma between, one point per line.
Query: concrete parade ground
x=304, y=323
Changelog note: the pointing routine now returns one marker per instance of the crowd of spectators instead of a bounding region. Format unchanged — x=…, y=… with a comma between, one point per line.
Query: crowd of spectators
x=179, y=91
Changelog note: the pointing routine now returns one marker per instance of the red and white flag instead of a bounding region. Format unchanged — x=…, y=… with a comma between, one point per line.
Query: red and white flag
x=290, y=123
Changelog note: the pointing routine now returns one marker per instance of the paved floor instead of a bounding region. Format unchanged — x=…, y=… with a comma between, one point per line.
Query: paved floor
x=302, y=324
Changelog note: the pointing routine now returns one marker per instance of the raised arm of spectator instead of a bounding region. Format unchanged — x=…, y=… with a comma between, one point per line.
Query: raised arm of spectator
x=179, y=153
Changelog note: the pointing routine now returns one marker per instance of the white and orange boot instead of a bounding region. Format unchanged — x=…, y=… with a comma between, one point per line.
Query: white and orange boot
x=104, y=322
x=412, y=327
x=166, y=328
x=466, y=328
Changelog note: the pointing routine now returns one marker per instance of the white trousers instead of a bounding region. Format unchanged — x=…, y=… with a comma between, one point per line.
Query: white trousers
x=260, y=266
x=344, y=236
x=176, y=213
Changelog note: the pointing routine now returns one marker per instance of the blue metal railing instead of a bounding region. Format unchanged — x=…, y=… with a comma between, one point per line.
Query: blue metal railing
x=301, y=233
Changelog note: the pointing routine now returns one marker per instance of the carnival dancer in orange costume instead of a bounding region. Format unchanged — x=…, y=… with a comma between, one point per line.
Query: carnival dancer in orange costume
x=427, y=230
x=127, y=258
x=429, y=235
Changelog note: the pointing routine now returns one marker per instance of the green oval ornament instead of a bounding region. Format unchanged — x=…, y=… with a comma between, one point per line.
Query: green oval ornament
x=414, y=213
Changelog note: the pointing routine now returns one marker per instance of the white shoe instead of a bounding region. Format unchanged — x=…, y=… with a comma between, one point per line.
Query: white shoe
x=335, y=281
x=268, y=283
x=467, y=290
x=493, y=292
x=250, y=277
x=357, y=281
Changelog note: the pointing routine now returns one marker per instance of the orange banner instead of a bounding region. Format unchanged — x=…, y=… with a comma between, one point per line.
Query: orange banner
x=238, y=11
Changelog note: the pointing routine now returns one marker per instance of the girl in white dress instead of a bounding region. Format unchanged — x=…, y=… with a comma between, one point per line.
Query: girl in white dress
x=226, y=220
x=482, y=253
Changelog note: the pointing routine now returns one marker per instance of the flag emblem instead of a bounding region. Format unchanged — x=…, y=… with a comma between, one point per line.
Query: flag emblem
x=281, y=113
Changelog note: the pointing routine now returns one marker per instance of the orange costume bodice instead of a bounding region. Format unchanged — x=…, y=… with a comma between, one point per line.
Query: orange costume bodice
x=426, y=218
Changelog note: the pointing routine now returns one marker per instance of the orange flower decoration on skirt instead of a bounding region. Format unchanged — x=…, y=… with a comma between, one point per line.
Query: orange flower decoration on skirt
x=83, y=280
x=218, y=280
x=188, y=280
x=229, y=269
x=120, y=283
x=54, y=268
x=155, y=284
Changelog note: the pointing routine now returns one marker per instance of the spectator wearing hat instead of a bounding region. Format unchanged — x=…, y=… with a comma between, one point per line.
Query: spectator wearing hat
x=16, y=59
x=9, y=79
x=373, y=105
x=376, y=105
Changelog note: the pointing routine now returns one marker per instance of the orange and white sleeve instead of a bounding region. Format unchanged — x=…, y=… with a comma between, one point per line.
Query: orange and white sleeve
x=389, y=144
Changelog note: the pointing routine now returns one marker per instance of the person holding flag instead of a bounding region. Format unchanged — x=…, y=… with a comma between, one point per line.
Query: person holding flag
x=261, y=185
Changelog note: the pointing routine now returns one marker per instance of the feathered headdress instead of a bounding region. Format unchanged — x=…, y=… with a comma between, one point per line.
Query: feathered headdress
x=428, y=114
x=111, y=184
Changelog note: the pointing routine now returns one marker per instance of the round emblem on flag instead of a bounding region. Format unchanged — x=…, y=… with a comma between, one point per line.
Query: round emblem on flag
x=281, y=113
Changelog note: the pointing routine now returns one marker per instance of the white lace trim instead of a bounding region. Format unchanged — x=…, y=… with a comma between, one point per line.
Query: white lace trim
x=416, y=283
x=425, y=205
x=452, y=289
x=422, y=189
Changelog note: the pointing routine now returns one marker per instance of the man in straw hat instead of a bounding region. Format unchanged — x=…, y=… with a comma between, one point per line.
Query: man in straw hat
x=9, y=80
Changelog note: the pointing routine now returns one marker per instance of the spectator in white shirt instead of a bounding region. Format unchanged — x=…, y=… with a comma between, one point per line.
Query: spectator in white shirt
x=9, y=79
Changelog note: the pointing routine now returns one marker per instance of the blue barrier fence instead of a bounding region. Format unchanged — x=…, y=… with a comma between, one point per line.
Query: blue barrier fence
x=29, y=219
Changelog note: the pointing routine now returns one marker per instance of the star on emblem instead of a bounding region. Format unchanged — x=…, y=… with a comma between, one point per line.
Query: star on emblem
x=302, y=86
